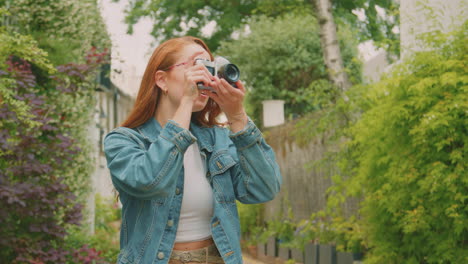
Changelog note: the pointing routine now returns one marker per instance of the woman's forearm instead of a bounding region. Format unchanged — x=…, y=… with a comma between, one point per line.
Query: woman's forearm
x=184, y=112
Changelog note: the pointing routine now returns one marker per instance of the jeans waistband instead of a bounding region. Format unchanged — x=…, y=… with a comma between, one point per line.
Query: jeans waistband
x=208, y=254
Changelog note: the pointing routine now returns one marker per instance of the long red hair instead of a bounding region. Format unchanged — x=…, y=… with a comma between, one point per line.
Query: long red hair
x=148, y=96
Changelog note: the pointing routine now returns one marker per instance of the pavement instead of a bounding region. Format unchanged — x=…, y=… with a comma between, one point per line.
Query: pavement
x=248, y=259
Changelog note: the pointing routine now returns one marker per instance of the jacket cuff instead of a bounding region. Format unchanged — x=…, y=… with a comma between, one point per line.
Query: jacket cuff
x=181, y=137
x=247, y=136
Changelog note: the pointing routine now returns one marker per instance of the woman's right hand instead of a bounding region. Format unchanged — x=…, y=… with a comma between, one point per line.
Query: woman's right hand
x=193, y=75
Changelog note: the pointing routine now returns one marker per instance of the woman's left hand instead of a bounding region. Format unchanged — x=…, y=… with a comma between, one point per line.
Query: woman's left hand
x=230, y=100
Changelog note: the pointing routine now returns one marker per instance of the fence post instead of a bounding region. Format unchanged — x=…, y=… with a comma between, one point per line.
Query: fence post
x=344, y=258
x=297, y=255
x=284, y=253
x=261, y=249
x=311, y=254
x=271, y=247
x=327, y=254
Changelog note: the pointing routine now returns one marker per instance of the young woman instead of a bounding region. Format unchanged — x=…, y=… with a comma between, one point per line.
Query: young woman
x=178, y=171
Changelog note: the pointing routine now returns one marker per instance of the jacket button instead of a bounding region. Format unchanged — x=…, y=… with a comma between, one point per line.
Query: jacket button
x=170, y=223
x=160, y=255
x=177, y=191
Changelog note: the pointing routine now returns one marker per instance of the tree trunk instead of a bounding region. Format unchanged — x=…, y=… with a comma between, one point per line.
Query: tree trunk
x=330, y=45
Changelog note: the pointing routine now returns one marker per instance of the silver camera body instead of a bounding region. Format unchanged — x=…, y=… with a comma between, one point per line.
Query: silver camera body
x=222, y=68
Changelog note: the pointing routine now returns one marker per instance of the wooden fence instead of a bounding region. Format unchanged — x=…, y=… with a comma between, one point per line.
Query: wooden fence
x=272, y=252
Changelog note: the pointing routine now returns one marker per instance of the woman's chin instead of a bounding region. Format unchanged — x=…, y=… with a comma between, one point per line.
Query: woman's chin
x=199, y=105
x=200, y=102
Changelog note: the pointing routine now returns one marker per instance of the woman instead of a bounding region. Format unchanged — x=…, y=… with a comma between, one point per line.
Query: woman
x=178, y=171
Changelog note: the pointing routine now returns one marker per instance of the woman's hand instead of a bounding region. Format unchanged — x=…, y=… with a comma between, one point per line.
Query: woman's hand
x=194, y=75
x=231, y=102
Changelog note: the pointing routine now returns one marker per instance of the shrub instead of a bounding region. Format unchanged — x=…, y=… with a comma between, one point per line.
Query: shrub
x=43, y=166
x=408, y=157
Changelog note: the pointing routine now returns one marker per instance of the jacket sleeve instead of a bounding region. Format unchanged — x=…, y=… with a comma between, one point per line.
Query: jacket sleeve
x=147, y=173
x=256, y=177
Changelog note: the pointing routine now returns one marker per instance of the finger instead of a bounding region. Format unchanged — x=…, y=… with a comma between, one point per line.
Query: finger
x=215, y=97
x=240, y=85
x=202, y=68
x=232, y=91
x=206, y=74
x=220, y=89
x=199, y=79
x=196, y=74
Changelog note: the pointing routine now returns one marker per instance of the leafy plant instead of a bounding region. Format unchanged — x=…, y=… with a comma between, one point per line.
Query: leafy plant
x=105, y=241
x=43, y=167
x=406, y=157
x=251, y=221
x=66, y=30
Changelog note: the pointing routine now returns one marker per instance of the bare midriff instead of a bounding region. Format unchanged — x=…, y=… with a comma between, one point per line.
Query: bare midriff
x=193, y=245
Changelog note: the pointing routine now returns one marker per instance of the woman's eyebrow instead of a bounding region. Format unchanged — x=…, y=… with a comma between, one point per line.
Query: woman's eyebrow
x=195, y=55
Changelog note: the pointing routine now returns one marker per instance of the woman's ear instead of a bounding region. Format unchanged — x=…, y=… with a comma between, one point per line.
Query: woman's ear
x=160, y=80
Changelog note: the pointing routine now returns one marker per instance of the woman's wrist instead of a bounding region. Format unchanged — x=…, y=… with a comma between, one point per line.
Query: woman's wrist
x=237, y=122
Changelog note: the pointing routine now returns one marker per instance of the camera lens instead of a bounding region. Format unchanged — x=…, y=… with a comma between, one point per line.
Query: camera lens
x=229, y=72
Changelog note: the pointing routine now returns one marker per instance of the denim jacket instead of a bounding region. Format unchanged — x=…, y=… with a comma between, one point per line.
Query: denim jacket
x=146, y=166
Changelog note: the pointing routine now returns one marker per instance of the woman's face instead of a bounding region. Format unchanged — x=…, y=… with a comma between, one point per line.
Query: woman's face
x=176, y=78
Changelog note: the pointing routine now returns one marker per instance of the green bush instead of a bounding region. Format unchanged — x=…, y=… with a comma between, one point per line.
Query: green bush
x=251, y=221
x=407, y=157
x=107, y=226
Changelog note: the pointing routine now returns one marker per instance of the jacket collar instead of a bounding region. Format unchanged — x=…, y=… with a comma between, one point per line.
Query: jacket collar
x=150, y=131
x=203, y=135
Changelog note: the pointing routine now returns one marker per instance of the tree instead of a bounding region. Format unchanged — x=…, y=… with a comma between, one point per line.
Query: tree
x=330, y=47
x=175, y=18
x=373, y=27
x=281, y=58
x=380, y=27
x=169, y=16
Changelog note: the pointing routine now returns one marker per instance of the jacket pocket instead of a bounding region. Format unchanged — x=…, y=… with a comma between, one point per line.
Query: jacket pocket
x=126, y=256
x=219, y=168
x=220, y=163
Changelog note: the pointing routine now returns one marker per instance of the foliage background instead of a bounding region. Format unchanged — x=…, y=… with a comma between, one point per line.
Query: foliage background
x=281, y=58
x=406, y=158
x=48, y=65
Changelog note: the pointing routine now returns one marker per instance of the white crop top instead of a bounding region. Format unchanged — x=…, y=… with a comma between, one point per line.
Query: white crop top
x=197, y=200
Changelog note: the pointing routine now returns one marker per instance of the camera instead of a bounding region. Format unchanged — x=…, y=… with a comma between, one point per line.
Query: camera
x=222, y=68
